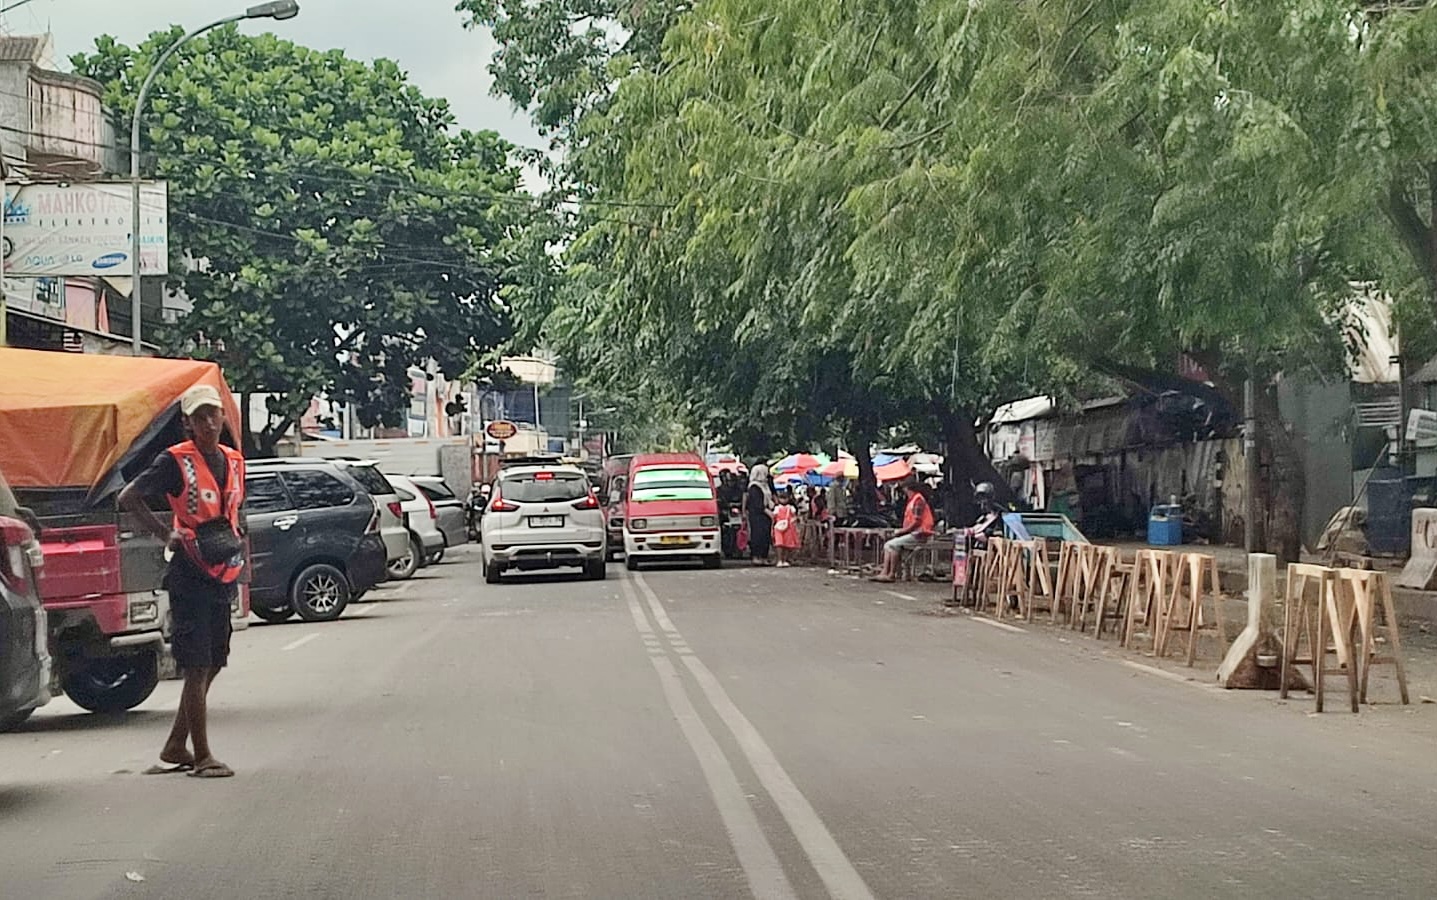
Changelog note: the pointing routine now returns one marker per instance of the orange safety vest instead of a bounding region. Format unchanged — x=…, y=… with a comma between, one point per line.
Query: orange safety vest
x=201, y=502
x=923, y=520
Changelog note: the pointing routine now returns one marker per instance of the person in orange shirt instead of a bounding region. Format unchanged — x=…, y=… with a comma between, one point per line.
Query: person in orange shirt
x=918, y=526
x=785, y=529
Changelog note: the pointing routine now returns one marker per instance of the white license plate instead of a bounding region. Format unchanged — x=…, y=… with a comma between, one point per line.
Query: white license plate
x=546, y=521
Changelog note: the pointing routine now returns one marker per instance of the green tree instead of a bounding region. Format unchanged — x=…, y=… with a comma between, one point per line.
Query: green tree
x=340, y=228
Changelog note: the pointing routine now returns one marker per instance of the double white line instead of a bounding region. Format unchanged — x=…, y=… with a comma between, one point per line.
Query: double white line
x=755, y=854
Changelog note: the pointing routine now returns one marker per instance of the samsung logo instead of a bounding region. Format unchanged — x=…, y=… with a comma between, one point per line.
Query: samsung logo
x=109, y=260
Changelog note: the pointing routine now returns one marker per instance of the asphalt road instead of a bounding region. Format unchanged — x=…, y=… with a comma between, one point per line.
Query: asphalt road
x=691, y=734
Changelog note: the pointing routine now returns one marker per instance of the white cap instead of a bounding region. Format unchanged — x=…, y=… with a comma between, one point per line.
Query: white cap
x=198, y=396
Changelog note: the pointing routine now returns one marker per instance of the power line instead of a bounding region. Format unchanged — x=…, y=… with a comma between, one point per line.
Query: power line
x=16, y=5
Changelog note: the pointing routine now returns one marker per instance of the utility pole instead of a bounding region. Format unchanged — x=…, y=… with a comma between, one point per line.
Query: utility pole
x=1249, y=459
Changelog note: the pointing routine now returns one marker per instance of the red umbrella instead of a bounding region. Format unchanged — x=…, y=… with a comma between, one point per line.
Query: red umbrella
x=799, y=462
x=847, y=467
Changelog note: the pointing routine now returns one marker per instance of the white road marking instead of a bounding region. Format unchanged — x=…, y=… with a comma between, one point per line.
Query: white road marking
x=760, y=864
x=996, y=624
x=833, y=867
x=296, y=644
x=1170, y=676
x=909, y=597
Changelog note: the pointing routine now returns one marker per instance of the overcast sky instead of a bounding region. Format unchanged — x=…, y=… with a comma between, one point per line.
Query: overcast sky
x=426, y=38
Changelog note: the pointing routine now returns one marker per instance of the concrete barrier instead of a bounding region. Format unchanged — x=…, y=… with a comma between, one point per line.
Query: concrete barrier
x=1420, y=573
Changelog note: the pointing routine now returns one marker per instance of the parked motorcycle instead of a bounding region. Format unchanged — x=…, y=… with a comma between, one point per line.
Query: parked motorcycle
x=729, y=531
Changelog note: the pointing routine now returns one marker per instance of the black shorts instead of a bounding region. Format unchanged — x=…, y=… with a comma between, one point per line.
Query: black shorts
x=201, y=637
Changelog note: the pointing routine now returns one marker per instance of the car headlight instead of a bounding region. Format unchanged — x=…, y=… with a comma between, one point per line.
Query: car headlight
x=638, y=524
x=144, y=611
x=708, y=522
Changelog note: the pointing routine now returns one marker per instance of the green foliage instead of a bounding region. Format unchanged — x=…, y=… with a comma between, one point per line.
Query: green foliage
x=344, y=228
x=808, y=215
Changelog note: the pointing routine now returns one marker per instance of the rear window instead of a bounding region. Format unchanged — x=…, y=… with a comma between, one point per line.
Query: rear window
x=435, y=491
x=317, y=490
x=679, y=483
x=544, y=487
x=371, y=479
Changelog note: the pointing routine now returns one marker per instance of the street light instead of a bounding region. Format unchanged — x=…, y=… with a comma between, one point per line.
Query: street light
x=278, y=10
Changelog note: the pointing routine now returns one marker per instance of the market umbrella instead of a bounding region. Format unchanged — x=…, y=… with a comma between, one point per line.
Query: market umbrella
x=799, y=462
x=894, y=471
x=846, y=467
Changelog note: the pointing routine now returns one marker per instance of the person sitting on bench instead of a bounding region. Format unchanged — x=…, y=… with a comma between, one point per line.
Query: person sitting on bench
x=917, y=528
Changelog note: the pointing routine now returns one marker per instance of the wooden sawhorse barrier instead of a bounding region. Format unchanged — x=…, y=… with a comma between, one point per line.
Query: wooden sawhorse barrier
x=1153, y=572
x=1363, y=595
x=1312, y=606
x=1194, y=580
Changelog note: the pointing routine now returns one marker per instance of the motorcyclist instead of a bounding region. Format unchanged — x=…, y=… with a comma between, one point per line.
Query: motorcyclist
x=990, y=514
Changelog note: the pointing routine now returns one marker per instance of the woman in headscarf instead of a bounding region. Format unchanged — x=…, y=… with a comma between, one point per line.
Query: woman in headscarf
x=758, y=508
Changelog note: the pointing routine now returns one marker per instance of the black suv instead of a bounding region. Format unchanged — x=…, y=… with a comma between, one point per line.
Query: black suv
x=314, y=540
x=24, y=658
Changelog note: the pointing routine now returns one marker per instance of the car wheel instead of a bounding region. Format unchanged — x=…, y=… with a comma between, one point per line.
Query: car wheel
x=492, y=573
x=274, y=616
x=596, y=570
x=436, y=557
x=713, y=562
x=631, y=563
x=14, y=720
x=416, y=549
x=319, y=593
x=403, y=568
x=113, y=684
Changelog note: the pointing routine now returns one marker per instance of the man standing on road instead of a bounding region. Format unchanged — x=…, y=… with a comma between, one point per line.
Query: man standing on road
x=917, y=528
x=203, y=482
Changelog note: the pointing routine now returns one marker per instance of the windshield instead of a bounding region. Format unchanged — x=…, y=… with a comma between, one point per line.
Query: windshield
x=544, y=487
x=685, y=483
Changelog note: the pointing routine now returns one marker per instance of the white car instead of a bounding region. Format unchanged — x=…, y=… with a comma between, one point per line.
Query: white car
x=422, y=520
x=543, y=517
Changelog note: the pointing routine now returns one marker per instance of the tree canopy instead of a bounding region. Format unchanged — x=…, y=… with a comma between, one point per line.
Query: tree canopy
x=330, y=224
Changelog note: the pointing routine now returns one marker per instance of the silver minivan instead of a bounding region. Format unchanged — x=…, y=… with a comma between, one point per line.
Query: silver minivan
x=543, y=517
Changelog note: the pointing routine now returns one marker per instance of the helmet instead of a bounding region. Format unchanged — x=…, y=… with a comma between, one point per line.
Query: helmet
x=983, y=490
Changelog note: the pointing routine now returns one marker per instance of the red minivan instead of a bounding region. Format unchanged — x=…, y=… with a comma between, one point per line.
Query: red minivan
x=670, y=511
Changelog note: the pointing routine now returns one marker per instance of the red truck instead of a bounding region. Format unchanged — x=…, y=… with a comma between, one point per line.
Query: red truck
x=74, y=428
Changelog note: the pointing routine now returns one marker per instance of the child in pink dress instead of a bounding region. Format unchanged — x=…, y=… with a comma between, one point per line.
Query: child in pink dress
x=785, y=529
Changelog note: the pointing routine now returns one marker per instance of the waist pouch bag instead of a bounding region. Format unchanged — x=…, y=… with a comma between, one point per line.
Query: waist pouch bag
x=216, y=542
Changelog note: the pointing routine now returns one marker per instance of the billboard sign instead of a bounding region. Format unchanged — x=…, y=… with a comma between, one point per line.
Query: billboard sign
x=84, y=229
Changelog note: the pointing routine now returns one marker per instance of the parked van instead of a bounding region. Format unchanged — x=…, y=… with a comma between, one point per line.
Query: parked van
x=671, y=511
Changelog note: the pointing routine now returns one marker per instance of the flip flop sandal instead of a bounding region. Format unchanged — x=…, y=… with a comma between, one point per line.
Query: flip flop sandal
x=217, y=770
x=163, y=769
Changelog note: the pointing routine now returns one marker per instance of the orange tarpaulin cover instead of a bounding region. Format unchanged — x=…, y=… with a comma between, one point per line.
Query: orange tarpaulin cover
x=66, y=419
x=894, y=471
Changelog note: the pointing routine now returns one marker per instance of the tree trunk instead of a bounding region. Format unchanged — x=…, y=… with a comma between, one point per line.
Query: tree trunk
x=866, y=501
x=1283, y=485
x=966, y=464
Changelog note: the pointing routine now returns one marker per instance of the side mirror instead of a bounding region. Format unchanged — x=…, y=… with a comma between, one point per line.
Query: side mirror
x=28, y=516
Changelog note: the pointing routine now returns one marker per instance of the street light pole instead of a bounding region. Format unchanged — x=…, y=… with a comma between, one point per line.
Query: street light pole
x=278, y=10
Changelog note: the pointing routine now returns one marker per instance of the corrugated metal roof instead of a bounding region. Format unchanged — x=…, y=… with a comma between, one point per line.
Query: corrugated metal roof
x=21, y=48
